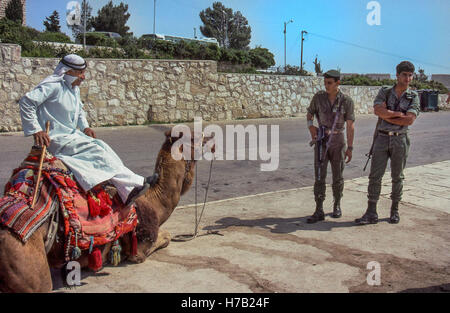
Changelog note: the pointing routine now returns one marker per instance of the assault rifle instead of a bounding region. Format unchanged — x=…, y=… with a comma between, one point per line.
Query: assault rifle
x=375, y=134
x=321, y=135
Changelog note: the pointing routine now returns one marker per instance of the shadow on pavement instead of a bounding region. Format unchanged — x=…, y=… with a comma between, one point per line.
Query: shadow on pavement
x=281, y=225
x=431, y=289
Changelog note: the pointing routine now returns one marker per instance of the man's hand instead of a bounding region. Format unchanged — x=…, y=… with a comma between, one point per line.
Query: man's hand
x=313, y=130
x=89, y=132
x=348, y=155
x=41, y=139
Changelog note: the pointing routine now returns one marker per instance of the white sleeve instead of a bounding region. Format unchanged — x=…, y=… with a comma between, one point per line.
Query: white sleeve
x=28, y=107
x=82, y=121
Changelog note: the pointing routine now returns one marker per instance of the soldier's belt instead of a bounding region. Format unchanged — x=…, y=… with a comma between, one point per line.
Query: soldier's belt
x=327, y=132
x=390, y=133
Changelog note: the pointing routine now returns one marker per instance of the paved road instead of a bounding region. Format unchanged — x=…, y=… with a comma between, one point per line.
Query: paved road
x=138, y=147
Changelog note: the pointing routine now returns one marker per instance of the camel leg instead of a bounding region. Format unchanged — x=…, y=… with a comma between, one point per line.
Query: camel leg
x=145, y=249
x=162, y=242
x=23, y=267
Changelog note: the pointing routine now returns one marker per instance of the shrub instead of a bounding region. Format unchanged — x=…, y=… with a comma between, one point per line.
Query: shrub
x=261, y=58
x=292, y=70
x=54, y=37
x=212, y=52
x=98, y=39
x=361, y=80
x=102, y=53
x=14, y=32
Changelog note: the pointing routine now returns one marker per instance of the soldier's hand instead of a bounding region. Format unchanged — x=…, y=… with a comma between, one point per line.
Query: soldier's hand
x=348, y=155
x=41, y=139
x=313, y=131
x=90, y=132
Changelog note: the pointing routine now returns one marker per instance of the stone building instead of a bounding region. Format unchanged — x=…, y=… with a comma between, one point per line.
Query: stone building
x=442, y=78
x=4, y=4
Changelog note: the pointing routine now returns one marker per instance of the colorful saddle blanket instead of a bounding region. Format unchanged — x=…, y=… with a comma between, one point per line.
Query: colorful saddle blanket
x=90, y=219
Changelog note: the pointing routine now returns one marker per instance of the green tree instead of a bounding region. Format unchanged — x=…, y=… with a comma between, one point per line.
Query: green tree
x=51, y=23
x=112, y=18
x=86, y=10
x=14, y=11
x=261, y=58
x=240, y=32
x=230, y=29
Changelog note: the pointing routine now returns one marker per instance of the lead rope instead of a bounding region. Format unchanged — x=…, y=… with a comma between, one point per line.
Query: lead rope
x=188, y=237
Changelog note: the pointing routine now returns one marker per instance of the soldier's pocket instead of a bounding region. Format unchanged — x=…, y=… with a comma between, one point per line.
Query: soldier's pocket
x=407, y=145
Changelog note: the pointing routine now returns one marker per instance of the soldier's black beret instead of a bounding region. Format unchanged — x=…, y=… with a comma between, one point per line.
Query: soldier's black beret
x=333, y=74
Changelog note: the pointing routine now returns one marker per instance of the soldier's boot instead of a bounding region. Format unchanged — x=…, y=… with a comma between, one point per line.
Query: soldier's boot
x=337, y=213
x=370, y=217
x=395, y=217
x=318, y=215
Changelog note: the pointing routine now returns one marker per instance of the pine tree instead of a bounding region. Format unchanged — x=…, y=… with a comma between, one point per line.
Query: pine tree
x=52, y=23
x=112, y=18
x=14, y=11
x=230, y=29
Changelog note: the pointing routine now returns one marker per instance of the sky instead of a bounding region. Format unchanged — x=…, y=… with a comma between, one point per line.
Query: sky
x=338, y=30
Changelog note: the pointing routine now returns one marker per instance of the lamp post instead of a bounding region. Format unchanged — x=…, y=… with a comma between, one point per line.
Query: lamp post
x=84, y=24
x=154, y=16
x=285, y=23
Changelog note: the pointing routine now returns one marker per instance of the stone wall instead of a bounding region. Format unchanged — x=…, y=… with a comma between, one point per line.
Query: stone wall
x=443, y=102
x=124, y=92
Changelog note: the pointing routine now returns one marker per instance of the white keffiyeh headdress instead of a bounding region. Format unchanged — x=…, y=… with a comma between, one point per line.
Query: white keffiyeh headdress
x=69, y=62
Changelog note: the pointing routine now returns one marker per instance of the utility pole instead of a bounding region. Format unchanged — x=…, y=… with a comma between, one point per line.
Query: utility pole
x=285, y=23
x=301, y=57
x=154, y=16
x=195, y=33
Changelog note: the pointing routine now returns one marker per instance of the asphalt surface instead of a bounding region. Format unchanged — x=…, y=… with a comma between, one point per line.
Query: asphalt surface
x=138, y=147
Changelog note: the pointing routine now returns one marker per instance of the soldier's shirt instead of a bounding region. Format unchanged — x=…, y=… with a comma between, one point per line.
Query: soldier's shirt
x=321, y=106
x=408, y=102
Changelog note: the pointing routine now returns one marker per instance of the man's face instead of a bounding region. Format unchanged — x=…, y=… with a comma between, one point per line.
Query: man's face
x=331, y=85
x=405, y=78
x=79, y=74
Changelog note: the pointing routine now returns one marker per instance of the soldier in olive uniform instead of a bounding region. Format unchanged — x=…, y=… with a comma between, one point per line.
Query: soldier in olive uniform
x=325, y=105
x=397, y=107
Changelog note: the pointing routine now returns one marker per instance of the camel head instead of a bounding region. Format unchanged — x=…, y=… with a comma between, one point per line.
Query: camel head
x=182, y=150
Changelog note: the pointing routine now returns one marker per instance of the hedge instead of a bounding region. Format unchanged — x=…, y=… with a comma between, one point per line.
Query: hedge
x=361, y=80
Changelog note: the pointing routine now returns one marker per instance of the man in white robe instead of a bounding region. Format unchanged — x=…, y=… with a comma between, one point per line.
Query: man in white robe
x=92, y=161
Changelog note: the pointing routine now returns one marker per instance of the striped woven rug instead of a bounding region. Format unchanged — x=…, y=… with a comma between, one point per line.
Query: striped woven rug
x=15, y=210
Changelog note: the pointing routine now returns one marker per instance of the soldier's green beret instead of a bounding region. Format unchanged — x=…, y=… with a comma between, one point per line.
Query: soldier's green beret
x=333, y=74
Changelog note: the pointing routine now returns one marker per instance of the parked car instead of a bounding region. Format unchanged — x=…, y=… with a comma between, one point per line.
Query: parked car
x=153, y=36
x=111, y=35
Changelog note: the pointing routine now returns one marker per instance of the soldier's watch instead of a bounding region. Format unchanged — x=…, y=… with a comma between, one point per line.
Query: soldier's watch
x=350, y=148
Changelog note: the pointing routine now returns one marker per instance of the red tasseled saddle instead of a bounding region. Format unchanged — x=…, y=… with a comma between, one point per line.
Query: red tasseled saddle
x=90, y=219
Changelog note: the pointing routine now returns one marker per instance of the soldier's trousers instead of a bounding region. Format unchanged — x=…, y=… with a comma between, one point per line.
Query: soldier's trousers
x=396, y=149
x=335, y=155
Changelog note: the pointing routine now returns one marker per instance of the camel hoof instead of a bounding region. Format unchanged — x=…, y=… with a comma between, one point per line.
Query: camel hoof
x=165, y=240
